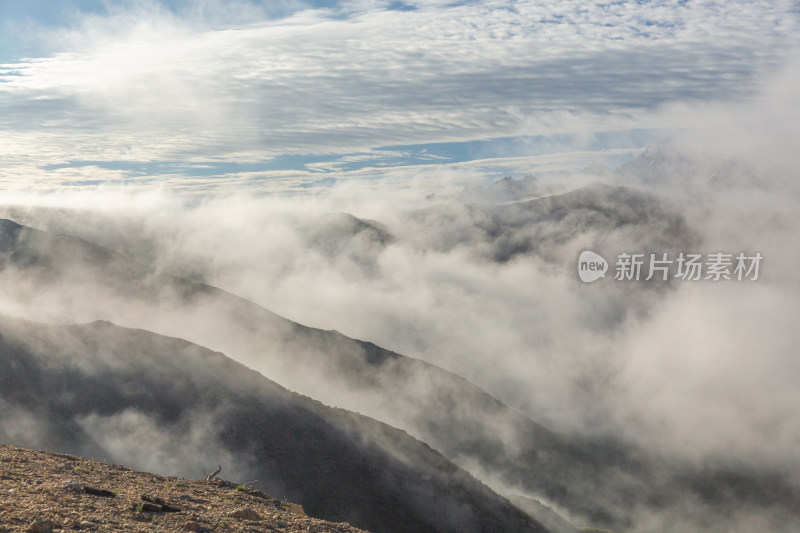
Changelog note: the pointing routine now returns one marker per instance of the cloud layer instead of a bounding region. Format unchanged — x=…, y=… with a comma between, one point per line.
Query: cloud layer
x=144, y=84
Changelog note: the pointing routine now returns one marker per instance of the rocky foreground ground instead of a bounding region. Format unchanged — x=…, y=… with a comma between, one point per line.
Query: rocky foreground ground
x=44, y=492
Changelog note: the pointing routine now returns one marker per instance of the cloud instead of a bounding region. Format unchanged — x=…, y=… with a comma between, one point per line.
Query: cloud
x=702, y=373
x=705, y=373
x=144, y=83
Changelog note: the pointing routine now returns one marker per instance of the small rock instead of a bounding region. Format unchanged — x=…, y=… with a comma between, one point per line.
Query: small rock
x=159, y=505
x=84, y=488
x=196, y=526
x=295, y=508
x=149, y=507
x=43, y=526
x=87, y=525
x=98, y=492
x=77, y=487
x=245, y=514
x=188, y=498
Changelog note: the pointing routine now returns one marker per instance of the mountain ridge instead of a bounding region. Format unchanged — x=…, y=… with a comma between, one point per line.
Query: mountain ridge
x=602, y=483
x=99, y=389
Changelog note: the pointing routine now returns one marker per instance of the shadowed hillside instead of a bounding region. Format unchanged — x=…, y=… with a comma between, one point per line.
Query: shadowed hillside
x=445, y=410
x=127, y=395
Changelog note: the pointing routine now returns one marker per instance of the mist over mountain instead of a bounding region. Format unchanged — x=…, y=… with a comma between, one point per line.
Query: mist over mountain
x=506, y=189
x=600, y=466
x=545, y=227
x=118, y=394
x=420, y=265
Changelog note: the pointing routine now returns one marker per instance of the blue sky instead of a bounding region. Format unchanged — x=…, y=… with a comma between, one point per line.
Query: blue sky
x=282, y=95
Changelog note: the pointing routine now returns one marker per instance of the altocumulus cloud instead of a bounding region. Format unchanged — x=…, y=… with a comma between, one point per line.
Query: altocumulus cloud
x=143, y=83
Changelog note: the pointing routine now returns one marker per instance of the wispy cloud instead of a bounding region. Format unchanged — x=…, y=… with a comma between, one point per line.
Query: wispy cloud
x=144, y=83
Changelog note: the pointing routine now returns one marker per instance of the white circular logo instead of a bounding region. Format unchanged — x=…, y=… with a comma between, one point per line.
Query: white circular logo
x=591, y=266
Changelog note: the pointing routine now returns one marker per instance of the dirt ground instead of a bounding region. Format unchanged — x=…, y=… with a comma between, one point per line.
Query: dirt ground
x=45, y=492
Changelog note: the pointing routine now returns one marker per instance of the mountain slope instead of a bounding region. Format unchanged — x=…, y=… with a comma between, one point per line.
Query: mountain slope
x=128, y=395
x=549, y=226
x=447, y=411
